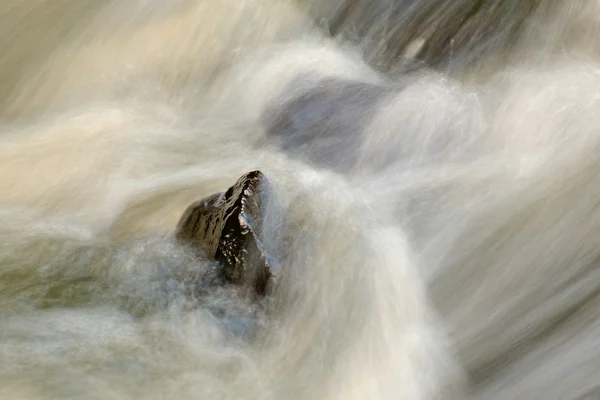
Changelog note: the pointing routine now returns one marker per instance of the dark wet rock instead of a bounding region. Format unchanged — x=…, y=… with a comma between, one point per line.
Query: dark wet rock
x=436, y=33
x=324, y=119
x=226, y=227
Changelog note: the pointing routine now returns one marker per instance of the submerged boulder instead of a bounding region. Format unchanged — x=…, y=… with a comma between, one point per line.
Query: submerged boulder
x=437, y=33
x=324, y=119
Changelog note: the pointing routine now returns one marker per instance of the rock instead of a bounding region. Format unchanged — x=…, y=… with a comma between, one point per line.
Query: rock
x=431, y=32
x=322, y=122
x=226, y=227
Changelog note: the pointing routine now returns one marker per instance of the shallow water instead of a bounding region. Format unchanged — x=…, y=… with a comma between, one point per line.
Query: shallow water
x=435, y=231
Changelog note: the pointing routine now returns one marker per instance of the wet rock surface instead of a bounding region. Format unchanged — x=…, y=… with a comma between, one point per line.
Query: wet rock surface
x=226, y=227
x=429, y=32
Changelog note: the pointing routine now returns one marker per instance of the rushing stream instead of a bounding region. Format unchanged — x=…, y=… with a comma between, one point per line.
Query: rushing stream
x=435, y=224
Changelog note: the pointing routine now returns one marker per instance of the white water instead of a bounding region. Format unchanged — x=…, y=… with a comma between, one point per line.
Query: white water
x=463, y=269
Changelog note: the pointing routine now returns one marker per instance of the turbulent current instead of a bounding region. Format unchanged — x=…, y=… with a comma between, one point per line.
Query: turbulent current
x=436, y=227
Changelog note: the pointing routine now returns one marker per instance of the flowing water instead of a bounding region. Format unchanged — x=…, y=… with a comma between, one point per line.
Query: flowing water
x=435, y=231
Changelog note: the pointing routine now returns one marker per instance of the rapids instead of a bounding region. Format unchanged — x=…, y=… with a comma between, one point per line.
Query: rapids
x=437, y=226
